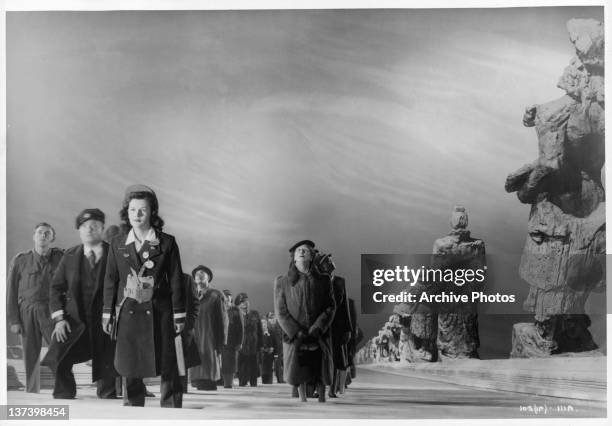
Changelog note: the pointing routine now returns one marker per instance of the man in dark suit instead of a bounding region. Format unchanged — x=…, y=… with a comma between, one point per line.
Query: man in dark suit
x=76, y=308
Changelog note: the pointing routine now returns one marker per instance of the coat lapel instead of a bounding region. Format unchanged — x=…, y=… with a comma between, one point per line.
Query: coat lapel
x=75, y=269
x=128, y=253
x=99, y=283
x=153, y=248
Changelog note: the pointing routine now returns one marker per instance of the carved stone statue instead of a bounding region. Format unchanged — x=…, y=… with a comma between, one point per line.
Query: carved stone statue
x=447, y=330
x=563, y=255
x=458, y=322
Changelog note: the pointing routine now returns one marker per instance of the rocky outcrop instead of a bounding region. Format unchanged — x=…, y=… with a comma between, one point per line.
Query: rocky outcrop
x=563, y=258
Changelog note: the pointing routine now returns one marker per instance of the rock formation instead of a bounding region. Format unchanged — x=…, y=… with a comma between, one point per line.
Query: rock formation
x=562, y=259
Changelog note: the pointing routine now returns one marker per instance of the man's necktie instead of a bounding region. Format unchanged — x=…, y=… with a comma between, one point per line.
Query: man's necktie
x=91, y=258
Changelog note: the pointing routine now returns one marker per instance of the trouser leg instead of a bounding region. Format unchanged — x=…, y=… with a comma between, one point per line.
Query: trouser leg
x=171, y=390
x=243, y=376
x=278, y=369
x=321, y=392
x=184, y=382
x=133, y=392
x=65, y=385
x=334, y=386
x=253, y=370
x=31, y=340
x=118, y=386
x=228, y=380
x=302, y=392
x=341, y=380
x=105, y=388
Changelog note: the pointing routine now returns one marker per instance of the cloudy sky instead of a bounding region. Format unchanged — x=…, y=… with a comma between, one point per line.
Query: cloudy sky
x=357, y=129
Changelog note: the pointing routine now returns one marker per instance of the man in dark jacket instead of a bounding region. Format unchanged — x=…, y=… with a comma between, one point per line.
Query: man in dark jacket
x=76, y=307
x=248, y=361
x=235, y=337
x=27, y=301
x=190, y=346
x=268, y=352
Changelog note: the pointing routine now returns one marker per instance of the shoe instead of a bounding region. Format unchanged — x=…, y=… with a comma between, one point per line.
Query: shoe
x=64, y=397
x=149, y=394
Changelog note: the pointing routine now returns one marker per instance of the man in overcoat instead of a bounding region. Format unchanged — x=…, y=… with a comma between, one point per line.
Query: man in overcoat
x=235, y=336
x=252, y=346
x=144, y=300
x=277, y=335
x=27, y=301
x=76, y=308
x=304, y=305
x=190, y=345
x=268, y=352
x=210, y=330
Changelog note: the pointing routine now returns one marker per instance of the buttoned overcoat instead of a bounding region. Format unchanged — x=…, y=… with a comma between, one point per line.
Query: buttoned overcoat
x=145, y=331
x=300, y=305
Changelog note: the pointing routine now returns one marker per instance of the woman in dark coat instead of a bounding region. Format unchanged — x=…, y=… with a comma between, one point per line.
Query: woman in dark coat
x=144, y=300
x=235, y=333
x=305, y=307
x=248, y=356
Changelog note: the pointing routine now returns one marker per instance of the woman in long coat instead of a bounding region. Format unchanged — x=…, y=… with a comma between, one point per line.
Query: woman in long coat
x=235, y=335
x=305, y=307
x=210, y=331
x=144, y=300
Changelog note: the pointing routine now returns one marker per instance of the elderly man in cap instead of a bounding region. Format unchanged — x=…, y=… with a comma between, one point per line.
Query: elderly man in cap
x=252, y=345
x=76, y=308
x=235, y=335
x=27, y=309
x=210, y=330
x=305, y=307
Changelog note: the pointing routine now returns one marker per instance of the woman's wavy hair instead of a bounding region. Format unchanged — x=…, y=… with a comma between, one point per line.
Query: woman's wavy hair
x=156, y=221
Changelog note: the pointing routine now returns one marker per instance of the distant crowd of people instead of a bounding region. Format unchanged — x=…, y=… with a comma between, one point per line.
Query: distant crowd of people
x=120, y=300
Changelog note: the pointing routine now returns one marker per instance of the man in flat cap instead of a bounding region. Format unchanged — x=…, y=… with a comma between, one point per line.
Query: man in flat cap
x=27, y=309
x=76, y=308
x=210, y=330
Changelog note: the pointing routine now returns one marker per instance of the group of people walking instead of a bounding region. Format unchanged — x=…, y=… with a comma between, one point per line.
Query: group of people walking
x=121, y=300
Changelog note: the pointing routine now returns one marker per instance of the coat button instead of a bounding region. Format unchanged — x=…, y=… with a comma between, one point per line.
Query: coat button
x=131, y=312
x=148, y=312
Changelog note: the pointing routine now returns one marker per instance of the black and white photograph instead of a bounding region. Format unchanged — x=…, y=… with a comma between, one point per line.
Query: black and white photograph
x=274, y=212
